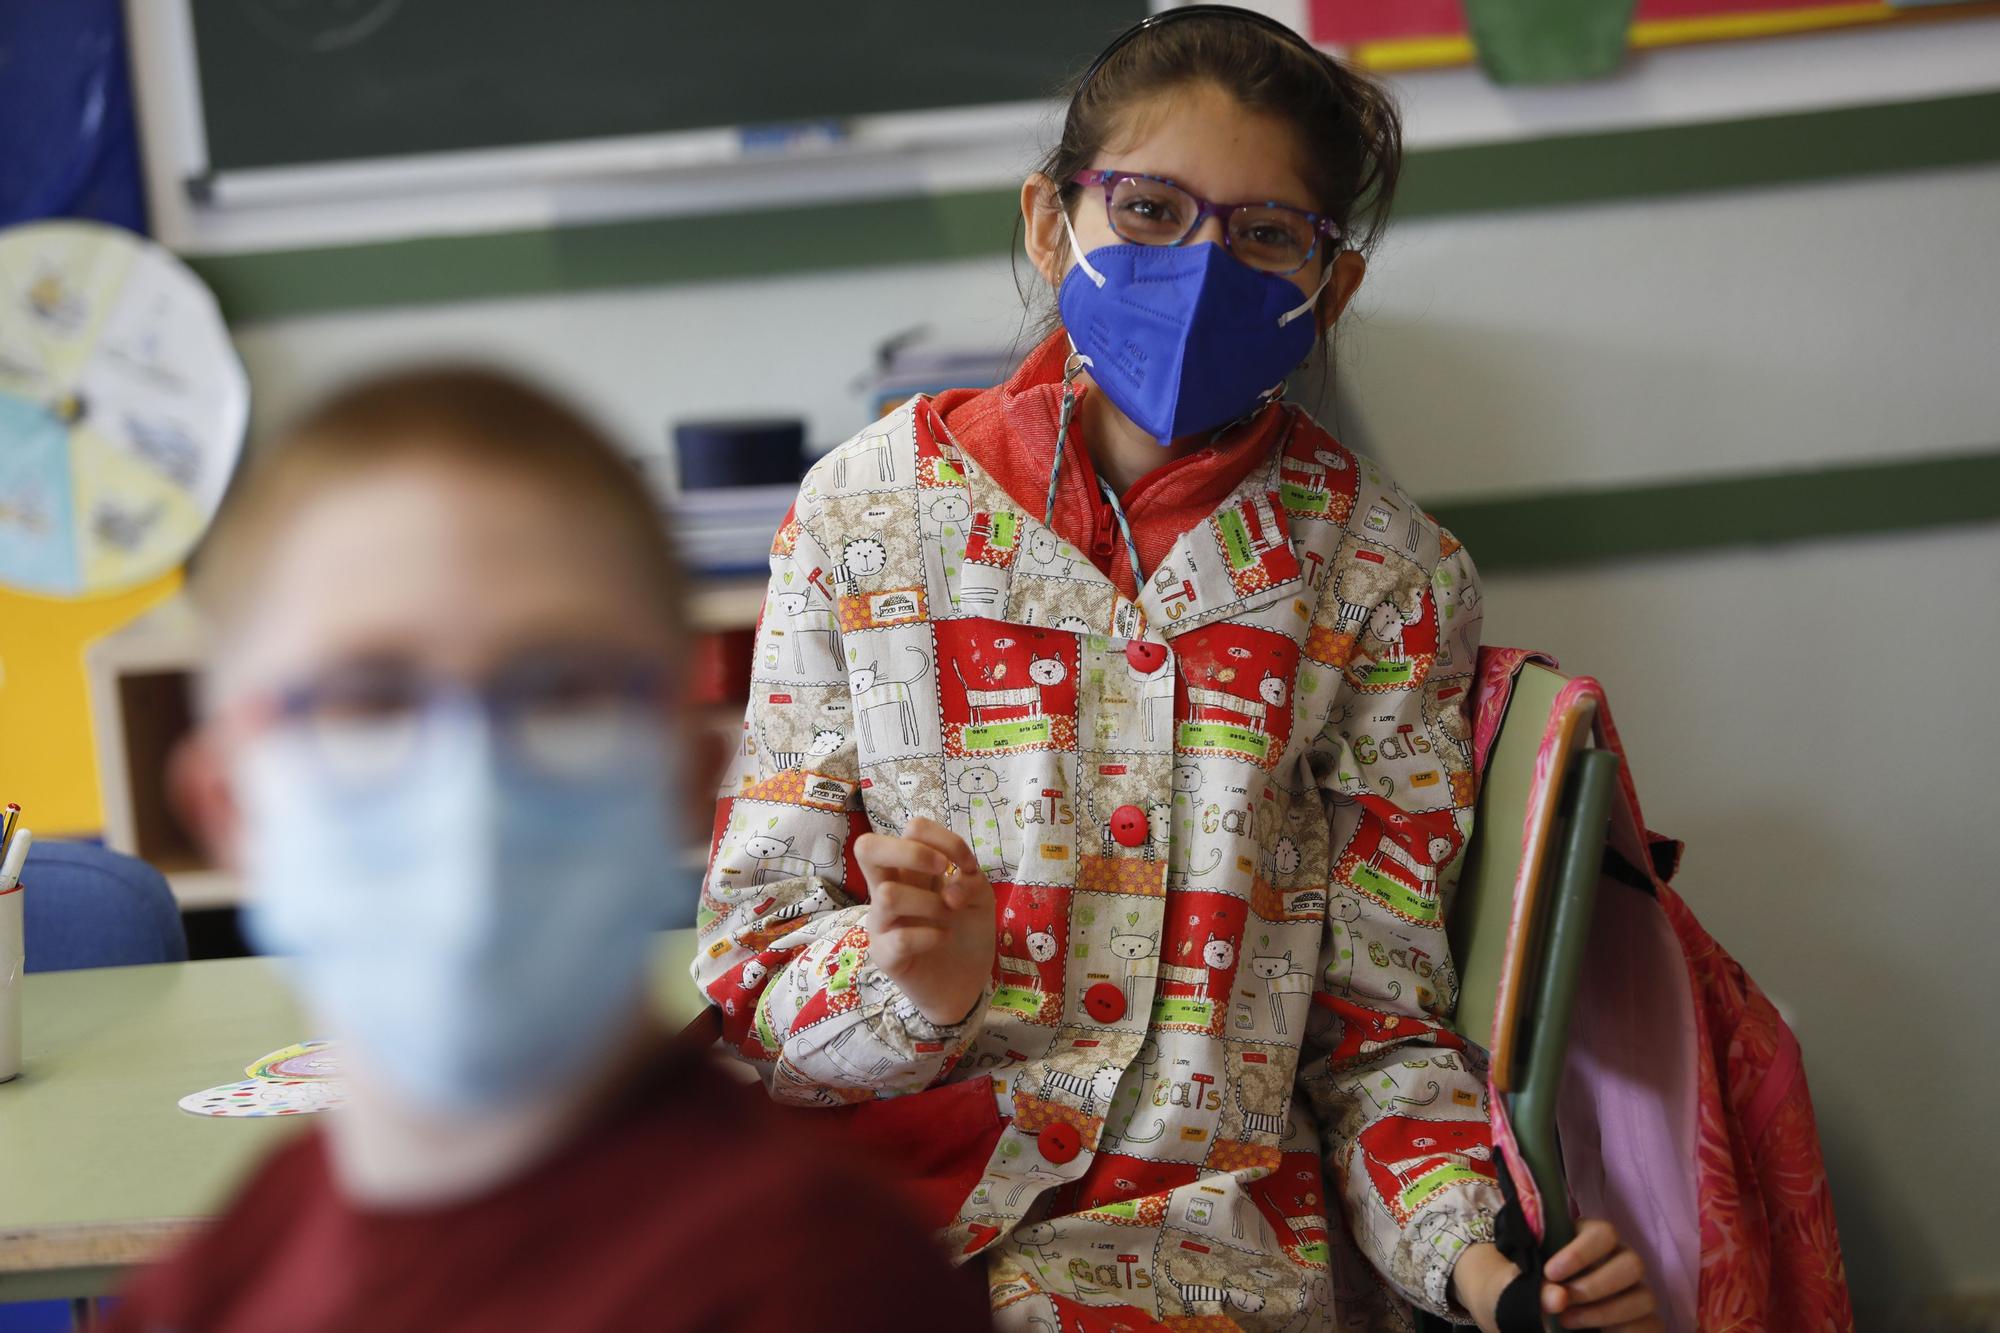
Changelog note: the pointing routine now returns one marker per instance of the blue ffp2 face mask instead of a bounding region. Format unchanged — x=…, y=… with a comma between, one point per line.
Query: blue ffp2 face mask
x=478, y=931
x=1183, y=338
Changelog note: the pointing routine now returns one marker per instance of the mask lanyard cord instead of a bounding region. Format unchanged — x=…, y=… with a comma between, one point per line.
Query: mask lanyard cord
x=1072, y=368
x=1125, y=531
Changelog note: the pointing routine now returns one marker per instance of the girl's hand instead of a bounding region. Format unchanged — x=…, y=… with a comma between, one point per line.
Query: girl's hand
x=1597, y=1282
x=1592, y=1282
x=930, y=917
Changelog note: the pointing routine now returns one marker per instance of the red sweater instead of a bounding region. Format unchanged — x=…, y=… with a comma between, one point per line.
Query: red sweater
x=689, y=1207
x=1010, y=431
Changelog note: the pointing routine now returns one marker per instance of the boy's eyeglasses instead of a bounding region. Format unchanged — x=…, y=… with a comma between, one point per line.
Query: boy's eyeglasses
x=1151, y=210
x=557, y=715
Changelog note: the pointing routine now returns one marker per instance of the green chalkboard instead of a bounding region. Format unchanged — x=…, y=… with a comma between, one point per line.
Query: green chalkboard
x=293, y=82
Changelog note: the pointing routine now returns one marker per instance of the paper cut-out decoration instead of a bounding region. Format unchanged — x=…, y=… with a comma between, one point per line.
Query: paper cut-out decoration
x=302, y=1060
x=295, y=1080
x=122, y=408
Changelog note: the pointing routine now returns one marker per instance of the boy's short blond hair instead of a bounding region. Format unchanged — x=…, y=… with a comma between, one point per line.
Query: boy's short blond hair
x=481, y=419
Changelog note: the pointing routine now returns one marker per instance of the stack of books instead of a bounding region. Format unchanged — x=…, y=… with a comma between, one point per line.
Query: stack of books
x=910, y=363
x=726, y=486
x=728, y=530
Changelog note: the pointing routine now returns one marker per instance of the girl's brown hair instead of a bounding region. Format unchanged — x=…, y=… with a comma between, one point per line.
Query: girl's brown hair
x=1348, y=128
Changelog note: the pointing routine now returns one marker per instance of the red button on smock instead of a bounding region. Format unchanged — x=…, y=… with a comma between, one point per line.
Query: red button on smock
x=1145, y=657
x=1128, y=825
x=1059, y=1142
x=1104, y=1002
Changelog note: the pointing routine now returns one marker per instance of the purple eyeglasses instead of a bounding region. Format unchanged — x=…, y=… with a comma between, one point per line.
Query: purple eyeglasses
x=1152, y=210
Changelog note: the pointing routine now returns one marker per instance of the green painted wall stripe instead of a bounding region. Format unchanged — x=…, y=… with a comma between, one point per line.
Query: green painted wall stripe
x=1942, y=132
x=1716, y=155
x=640, y=253
x=1593, y=526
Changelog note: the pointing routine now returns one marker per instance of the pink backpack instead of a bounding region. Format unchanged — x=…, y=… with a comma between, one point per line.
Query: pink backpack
x=1704, y=1153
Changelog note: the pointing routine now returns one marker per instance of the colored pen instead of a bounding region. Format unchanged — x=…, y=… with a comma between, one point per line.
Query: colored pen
x=17, y=852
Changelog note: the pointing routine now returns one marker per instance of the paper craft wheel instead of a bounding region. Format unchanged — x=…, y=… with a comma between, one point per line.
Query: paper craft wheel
x=306, y=1060
x=122, y=409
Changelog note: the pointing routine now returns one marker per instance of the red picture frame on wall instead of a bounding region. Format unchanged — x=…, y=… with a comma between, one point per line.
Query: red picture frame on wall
x=1420, y=34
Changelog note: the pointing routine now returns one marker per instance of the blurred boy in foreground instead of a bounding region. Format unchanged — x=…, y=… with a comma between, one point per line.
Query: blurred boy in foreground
x=443, y=740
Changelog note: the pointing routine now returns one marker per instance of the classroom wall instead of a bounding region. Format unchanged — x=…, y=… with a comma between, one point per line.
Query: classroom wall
x=644, y=358
x=1813, y=720
x=48, y=762
x=1840, y=321
x=1486, y=355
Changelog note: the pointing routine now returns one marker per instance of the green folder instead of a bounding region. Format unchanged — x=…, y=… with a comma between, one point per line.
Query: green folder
x=1519, y=939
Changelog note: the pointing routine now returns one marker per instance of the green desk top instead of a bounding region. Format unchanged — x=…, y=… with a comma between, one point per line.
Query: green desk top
x=98, y=1164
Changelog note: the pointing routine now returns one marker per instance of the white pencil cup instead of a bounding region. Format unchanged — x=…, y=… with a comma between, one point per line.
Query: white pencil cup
x=13, y=959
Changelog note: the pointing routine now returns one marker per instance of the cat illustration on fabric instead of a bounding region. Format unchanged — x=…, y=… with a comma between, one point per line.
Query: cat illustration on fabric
x=871, y=692
x=1281, y=979
x=776, y=860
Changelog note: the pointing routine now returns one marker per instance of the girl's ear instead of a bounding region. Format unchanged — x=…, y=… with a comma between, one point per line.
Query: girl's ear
x=1044, y=239
x=1349, y=267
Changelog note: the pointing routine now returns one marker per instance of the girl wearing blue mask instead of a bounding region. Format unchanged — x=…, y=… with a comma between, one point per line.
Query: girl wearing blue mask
x=1107, y=763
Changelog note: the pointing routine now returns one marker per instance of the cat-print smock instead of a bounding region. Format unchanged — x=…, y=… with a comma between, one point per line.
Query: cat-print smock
x=1221, y=824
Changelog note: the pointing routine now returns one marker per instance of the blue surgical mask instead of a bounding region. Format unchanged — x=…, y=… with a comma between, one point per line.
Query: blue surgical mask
x=1183, y=338
x=477, y=929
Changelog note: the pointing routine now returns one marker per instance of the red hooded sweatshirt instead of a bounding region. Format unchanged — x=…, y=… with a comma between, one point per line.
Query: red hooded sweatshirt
x=1010, y=431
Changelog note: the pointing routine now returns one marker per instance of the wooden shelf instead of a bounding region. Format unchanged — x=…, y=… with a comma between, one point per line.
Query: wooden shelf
x=198, y=889
x=142, y=680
